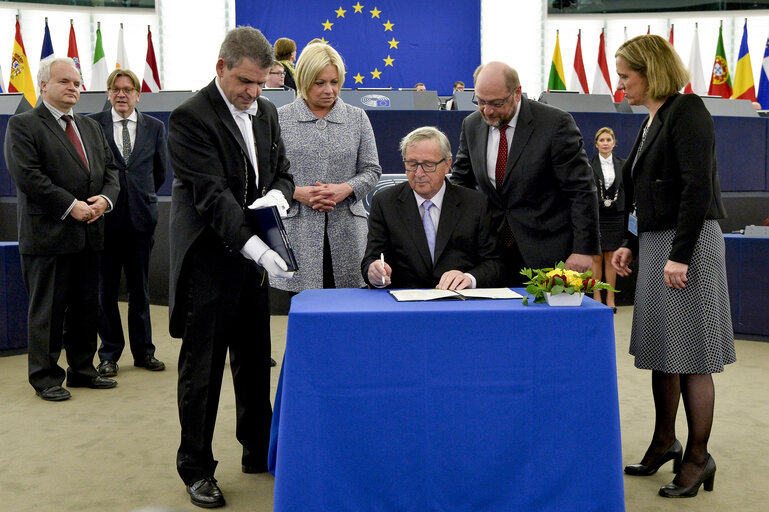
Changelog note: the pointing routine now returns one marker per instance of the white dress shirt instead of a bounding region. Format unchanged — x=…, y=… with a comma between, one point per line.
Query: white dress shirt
x=492, y=146
x=435, y=214
x=117, y=129
x=607, y=168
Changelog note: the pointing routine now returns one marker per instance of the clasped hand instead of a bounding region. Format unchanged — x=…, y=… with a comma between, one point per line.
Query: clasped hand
x=323, y=197
x=89, y=211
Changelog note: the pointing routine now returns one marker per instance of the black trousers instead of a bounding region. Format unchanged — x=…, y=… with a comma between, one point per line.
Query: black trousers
x=127, y=250
x=227, y=310
x=62, y=293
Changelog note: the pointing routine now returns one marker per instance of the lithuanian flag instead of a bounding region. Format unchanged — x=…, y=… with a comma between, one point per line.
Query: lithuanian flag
x=556, y=82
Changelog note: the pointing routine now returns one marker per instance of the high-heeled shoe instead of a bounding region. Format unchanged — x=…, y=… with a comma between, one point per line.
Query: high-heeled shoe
x=674, y=453
x=707, y=477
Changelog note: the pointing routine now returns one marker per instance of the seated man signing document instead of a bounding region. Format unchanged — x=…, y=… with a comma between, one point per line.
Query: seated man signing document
x=428, y=233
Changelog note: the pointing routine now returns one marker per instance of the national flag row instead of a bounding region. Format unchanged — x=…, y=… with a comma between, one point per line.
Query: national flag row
x=720, y=78
x=21, y=76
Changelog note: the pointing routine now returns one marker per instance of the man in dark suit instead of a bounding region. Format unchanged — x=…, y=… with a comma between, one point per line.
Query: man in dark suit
x=66, y=181
x=226, y=151
x=432, y=234
x=537, y=178
x=138, y=144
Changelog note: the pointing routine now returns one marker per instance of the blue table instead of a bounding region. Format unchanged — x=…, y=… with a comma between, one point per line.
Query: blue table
x=451, y=406
x=748, y=283
x=13, y=300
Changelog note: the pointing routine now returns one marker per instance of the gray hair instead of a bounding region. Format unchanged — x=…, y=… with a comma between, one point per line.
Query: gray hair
x=44, y=71
x=246, y=43
x=426, y=133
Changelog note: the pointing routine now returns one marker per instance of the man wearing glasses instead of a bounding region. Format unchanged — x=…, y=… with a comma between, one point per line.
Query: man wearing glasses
x=529, y=159
x=428, y=233
x=138, y=144
x=276, y=77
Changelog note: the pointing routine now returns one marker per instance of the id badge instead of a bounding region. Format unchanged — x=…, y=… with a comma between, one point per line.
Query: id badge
x=632, y=224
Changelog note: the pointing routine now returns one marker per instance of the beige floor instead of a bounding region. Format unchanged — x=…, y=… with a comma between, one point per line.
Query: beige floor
x=114, y=450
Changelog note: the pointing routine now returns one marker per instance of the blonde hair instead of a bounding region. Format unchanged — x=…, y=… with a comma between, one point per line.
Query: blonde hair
x=124, y=72
x=313, y=59
x=603, y=130
x=654, y=58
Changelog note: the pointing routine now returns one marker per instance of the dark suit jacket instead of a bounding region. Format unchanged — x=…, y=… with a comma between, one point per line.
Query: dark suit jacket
x=548, y=196
x=619, y=205
x=464, y=240
x=674, y=184
x=140, y=179
x=49, y=175
x=208, y=157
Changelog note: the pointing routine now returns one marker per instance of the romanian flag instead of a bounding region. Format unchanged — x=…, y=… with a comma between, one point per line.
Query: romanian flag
x=21, y=76
x=720, y=81
x=743, y=75
x=556, y=82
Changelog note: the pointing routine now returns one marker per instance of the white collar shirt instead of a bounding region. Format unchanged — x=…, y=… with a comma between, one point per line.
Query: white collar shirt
x=117, y=129
x=492, y=146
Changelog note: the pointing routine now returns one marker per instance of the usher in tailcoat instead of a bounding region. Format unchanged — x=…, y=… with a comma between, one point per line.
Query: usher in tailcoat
x=209, y=186
x=548, y=197
x=464, y=240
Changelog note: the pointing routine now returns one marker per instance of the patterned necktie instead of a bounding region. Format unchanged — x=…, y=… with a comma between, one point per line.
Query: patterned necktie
x=499, y=175
x=499, y=170
x=427, y=222
x=126, y=141
x=70, y=131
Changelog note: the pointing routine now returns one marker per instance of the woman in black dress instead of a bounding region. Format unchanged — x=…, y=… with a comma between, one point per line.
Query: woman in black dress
x=607, y=173
x=682, y=329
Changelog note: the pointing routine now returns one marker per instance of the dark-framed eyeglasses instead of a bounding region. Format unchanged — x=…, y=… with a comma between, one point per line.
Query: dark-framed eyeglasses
x=492, y=104
x=281, y=73
x=125, y=90
x=413, y=165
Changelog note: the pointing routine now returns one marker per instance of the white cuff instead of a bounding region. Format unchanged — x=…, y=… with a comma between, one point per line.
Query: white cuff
x=254, y=248
x=472, y=278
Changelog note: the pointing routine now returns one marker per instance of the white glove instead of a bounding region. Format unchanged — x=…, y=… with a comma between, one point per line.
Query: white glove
x=272, y=198
x=274, y=265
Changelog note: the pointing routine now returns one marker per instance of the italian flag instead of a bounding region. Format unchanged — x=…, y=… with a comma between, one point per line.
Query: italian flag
x=99, y=71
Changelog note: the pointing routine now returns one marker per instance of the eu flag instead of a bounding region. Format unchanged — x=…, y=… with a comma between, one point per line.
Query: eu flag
x=384, y=43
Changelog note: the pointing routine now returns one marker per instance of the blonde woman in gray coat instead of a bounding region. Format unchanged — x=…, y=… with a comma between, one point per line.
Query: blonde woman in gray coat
x=334, y=162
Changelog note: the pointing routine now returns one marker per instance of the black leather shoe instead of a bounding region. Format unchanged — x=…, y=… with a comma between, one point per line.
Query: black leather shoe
x=150, y=363
x=254, y=469
x=205, y=493
x=54, y=394
x=674, y=453
x=107, y=368
x=707, y=477
x=273, y=363
x=97, y=382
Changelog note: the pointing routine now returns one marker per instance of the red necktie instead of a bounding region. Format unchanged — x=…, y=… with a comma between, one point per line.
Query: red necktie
x=499, y=170
x=70, y=131
x=499, y=175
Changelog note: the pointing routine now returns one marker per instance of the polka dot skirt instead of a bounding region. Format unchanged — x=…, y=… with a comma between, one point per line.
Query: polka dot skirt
x=682, y=331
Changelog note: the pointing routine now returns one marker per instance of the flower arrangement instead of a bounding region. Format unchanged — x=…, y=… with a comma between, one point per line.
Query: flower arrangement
x=554, y=281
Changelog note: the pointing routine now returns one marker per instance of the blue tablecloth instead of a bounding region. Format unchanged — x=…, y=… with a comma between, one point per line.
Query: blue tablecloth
x=13, y=299
x=748, y=282
x=452, y=406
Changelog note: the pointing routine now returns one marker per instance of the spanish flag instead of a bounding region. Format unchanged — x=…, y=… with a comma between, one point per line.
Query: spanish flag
x=21, y=76
x=556, y=82
x=743, y=75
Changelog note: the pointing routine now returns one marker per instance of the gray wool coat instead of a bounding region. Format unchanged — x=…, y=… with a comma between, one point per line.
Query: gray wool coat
x=342, y=151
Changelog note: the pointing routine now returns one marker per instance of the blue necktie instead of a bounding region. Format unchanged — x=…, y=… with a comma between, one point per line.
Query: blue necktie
x=427, y=222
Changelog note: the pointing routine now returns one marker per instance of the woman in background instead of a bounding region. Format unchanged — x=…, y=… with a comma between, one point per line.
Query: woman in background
x=607, y=173
x=285, y=53
x=682, y=329
x=334, y=161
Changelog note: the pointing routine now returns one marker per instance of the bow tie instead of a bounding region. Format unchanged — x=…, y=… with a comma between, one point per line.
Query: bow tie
x=251, y=110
